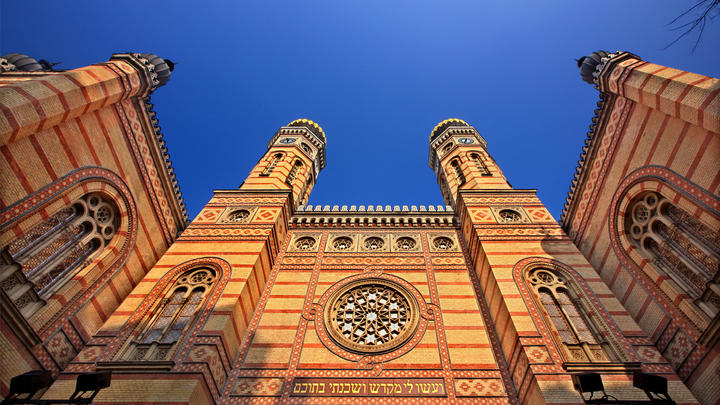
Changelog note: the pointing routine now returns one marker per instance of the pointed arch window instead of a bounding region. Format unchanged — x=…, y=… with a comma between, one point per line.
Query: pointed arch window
x=568, y=316
x=477, y=160
x=172, y=316
x=679, y=245
x=50, y=253
x=455, y=163
x=293, y=172
x=276, y=158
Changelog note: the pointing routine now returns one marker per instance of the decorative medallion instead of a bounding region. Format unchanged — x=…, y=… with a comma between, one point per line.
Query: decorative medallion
x=371, y=315
x=510, y=215
x=287, y=140
x=443, y=243
x=305, y=243
x=466, y=140
x=238, y=215
x=405, y=243
x=373, y=243
x=342, y=243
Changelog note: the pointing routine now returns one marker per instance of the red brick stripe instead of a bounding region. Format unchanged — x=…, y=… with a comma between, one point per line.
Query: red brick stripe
x=16, y=169
x=61, y=97
x=699, y=155
x=83, y=89
x=686, y=90
x=35, y=103
x=86, y=137
x=703, y=106
x=11, y=120
x=43, y=157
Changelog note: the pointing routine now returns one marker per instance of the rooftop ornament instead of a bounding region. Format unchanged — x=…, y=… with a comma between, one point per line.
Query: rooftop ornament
x=588, y=65
x=443, y=125
x=24, y=63
x=311, y=126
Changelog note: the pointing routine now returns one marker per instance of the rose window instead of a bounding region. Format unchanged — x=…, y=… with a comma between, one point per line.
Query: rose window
x=405, y=243
x=443, y=243
x=371, y=315
x=305, y=243
x=342, y=243
x=510, y=216
x=374, y=243
x=238, y=215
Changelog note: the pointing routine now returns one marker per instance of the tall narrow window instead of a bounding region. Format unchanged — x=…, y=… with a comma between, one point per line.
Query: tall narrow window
x=681, y=246
x=455, y=163
x=477, y=160
x=293, y=172
x=579, y=338
x=271, y=166
x=172, y=316
x=51, y=252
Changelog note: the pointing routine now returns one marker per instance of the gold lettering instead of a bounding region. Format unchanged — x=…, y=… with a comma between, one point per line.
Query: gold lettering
x=409, y=386
x=374, y=388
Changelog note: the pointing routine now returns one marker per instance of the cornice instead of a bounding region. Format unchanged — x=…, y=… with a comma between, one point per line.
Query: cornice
x=374, y=216
x=451, y=131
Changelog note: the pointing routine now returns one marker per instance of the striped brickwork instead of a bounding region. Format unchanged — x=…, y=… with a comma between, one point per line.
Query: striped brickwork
x=658, y=130
x=64, y=135
x=242, y=254
x=286, y=339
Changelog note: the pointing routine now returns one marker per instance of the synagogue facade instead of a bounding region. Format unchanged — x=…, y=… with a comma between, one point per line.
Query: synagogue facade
x=262, y=298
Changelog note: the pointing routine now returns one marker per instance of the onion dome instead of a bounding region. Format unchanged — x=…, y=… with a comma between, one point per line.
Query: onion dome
x=163, y=67
x=24, y=63
x=310, y=125
x=442, y=126
x=588, y=65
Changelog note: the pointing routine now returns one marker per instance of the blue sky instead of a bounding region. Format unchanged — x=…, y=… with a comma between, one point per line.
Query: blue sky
x=376, y=75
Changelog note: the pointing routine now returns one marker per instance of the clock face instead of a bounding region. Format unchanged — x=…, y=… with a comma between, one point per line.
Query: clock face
x=465, y=140
x=287, y=140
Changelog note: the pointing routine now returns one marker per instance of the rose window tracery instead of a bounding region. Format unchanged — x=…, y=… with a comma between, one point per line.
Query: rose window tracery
x=342, y=243
x=374, y=243
x=238, y=215
x=678, y=244
x=510, y=216
x=305, y=243
x=443, y=243
x=372, y=315
x=405, y=243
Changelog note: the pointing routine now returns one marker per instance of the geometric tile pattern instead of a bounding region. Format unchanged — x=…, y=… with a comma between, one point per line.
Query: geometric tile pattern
x=258, y=387
x=485, y=387
x=678, y=349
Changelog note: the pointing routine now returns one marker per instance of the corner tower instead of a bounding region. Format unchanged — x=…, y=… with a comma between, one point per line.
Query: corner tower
x=459, y=158
x=295, y=156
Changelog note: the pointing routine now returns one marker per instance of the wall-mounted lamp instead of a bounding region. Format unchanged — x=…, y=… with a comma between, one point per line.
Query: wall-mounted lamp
x=655, y=388
x=27, y=385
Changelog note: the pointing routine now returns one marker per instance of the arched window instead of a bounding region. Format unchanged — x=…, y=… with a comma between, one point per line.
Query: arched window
x=271, y=166
x=678, y=244
x=54, y=250
x=567, y=315
x=293, y=172
x=172, y=316
x=475, y=157
x=455, y=163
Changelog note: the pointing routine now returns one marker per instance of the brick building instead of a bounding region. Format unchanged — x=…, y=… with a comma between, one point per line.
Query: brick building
x=264, y=299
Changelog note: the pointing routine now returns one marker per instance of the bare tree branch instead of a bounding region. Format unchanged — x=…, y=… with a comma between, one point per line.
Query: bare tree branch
x=705, y=7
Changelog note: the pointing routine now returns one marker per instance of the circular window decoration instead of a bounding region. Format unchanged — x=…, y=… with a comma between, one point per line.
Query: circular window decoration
x=371, y=315
x=466, y=140
x=374, y=243
x=238, y=215
x=443, y=243
x=510, y=216
x=405, y=243
x=305, y=243
x=287, y=140
x=342, y=243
